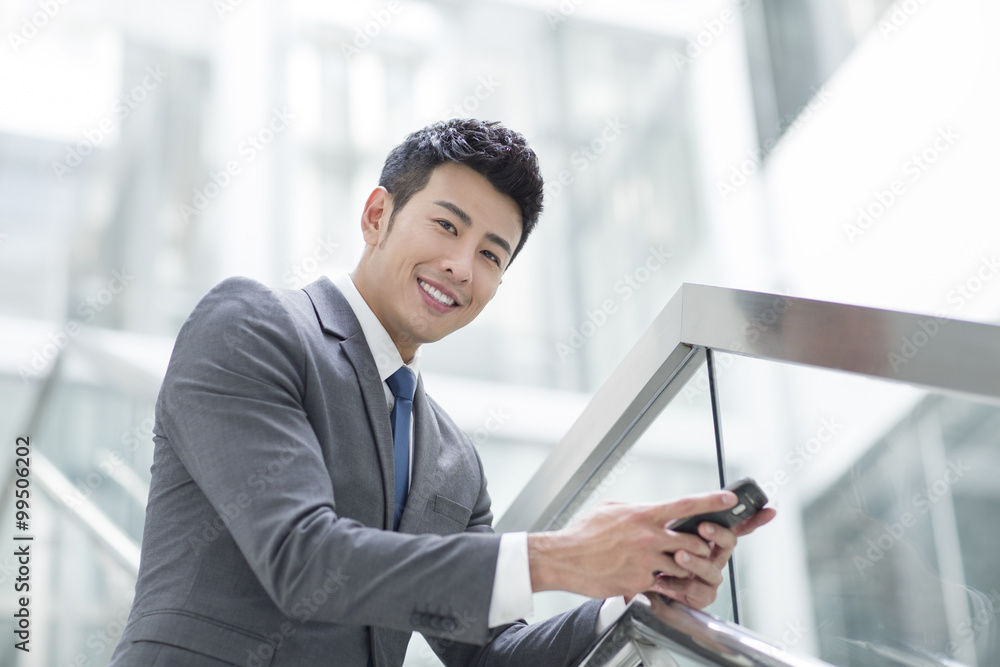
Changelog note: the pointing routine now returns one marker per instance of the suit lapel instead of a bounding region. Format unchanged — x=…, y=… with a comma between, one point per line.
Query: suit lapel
x=337, y=318
x=360, y=356
x=426, y=449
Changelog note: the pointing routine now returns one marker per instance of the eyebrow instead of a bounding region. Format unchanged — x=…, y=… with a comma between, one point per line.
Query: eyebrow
x=467, y=221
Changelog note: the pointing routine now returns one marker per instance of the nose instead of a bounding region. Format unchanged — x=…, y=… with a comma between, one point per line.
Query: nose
x=458, y=264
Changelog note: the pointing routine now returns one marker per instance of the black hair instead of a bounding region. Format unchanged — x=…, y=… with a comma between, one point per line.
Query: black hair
x=499, y=154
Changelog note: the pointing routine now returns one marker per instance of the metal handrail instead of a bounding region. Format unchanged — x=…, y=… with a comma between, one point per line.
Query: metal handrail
x=652, y=634
x=86, y=514
x=937, y=353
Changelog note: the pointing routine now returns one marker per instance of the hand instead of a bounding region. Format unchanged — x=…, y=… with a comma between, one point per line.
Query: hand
x=623, y=549
x=699, y=587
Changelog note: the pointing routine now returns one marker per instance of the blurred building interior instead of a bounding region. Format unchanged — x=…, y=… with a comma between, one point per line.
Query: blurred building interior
x=842, y=150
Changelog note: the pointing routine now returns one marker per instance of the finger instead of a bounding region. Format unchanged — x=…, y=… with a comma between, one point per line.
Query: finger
x=722, y=553
x=723, y=537
x=687, y=506
x=666, y=565
x=673, y=541
x=756, y=521
x=703, y=568
x=691, y=592
x=722, y=541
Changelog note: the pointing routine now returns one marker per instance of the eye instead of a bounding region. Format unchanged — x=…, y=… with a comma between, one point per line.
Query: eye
x=493, y=258
x=447, y=225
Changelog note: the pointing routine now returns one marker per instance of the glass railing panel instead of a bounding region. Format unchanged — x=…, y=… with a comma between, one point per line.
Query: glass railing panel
x=674, y=457
x=889, y=515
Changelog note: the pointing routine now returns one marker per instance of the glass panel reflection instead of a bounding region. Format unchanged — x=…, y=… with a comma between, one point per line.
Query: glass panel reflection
x=882, y=553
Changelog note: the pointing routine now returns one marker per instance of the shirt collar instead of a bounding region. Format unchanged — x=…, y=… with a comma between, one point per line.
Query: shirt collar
x=384, y=351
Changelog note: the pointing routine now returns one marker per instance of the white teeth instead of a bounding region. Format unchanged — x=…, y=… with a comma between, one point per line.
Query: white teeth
x=437, y=294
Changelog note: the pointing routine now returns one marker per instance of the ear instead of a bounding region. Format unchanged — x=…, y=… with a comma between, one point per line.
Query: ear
x=375, y=217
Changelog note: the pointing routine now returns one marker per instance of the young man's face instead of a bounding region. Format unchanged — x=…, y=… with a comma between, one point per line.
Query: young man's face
x=443, y=259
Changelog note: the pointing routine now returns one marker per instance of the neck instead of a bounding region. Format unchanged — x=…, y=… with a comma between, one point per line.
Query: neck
x=360, y=278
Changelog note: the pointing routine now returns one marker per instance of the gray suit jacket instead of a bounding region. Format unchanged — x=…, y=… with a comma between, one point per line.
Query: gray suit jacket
x=267, y=536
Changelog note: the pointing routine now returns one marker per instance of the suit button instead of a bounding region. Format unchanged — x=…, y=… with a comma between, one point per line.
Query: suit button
x=448, y=624
x=416, y=619
x=436, y=622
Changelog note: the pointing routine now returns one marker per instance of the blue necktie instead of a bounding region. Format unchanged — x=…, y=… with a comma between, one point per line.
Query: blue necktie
x=402, y=383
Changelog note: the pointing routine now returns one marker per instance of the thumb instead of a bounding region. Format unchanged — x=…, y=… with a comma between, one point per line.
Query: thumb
x=691, y=505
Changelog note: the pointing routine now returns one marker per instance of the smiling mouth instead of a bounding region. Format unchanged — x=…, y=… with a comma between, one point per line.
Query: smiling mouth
x=436, y=294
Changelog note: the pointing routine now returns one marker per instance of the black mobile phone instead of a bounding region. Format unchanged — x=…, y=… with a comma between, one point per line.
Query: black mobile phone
x=750, y=499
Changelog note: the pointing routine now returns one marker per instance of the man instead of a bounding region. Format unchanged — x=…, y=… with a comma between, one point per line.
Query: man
x=297, y=514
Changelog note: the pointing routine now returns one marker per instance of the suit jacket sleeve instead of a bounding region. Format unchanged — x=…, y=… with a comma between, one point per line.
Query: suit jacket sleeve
x=555, y=642
x=231, y=406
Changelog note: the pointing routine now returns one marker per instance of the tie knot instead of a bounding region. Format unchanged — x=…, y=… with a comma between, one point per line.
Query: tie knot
x=402, y=383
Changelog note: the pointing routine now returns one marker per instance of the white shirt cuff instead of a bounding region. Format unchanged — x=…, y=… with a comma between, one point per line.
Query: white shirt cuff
x=511, y=599
x=610, y=611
